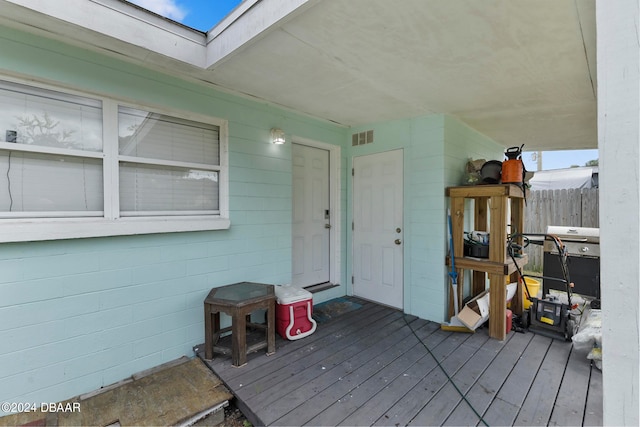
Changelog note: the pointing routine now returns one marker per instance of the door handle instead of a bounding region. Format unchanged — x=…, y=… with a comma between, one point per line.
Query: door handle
x=397, y=241
x=327, y=226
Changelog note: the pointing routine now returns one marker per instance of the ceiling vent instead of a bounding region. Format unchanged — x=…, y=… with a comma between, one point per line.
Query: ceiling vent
x=362, y=138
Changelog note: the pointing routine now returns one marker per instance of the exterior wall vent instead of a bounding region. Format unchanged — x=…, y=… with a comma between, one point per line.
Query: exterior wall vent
x=362, y=138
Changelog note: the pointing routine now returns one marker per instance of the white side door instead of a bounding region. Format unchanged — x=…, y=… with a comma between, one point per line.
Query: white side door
x=377, y=227
x=311, y=216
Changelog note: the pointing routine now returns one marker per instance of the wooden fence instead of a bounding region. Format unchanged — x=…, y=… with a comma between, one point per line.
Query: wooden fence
x=569, y=207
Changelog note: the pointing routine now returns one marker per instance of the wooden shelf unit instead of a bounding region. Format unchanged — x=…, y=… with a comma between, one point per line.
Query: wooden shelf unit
x=491, y=204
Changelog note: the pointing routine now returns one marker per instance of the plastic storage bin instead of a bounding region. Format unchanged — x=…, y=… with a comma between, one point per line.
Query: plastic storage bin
x=294, y=308
x=534, y=287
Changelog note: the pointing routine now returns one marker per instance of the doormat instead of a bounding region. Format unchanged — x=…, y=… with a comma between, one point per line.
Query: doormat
x=326, y=311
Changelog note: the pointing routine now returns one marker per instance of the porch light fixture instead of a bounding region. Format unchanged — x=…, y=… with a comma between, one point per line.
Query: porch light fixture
x=277, y=136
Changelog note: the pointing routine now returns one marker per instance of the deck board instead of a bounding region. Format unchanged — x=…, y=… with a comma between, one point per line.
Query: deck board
x=364, y=359
x=363, y=395
x=417, y=372
x=364, y=392
x=572, y=396
x=326, y=364
x=444, y=403
x=349, y=377
x=481, y=394
x=540, y=400
x=593, y=411
x=315, y=362
x=504, y=409
x=409, y=405
x=391, y=389
x=367, y=367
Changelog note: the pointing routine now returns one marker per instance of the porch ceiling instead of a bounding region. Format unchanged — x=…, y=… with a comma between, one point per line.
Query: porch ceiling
x=519, y=72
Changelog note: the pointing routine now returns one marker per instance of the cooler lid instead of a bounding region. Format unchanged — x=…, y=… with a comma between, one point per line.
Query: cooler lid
x=288, y=294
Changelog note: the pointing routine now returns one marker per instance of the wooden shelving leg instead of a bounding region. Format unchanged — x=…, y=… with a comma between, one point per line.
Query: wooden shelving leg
x=497, y=306
x=517, y=226
x=498, y=237
x=497, y=253
x=479, y=284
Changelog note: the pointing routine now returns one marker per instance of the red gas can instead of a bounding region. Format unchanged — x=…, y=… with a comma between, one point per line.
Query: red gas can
x=509, y=320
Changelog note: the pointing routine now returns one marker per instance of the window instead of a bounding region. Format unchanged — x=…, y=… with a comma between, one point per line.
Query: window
x=74, y=166
x=53, y=167
x=168, y=166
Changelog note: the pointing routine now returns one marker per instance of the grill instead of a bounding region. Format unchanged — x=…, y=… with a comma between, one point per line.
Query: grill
x=583, y=260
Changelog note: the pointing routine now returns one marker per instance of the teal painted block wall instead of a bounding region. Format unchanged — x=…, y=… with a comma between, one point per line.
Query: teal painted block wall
x=76, y=315
x=436, y=149
x=465, y=143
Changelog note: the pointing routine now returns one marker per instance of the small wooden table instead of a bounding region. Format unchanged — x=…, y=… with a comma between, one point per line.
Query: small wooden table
x=238, y=301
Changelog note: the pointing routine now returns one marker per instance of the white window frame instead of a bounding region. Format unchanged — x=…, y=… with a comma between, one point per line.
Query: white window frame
x=112, y=224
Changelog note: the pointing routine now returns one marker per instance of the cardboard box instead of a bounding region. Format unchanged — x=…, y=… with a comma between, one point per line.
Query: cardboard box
x=475, y=312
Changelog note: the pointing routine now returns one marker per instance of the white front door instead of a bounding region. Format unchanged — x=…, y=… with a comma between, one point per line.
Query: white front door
x=377, y=227
x=311, y=216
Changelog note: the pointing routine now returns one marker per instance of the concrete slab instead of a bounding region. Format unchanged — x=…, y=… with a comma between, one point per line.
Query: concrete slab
x=176, y=393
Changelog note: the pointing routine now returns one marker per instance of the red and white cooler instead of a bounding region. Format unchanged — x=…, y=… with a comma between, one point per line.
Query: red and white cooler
x=294, y=307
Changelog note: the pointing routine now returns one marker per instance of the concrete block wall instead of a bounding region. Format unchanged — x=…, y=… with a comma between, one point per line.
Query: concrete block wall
x=421, y=142
x=425, y=209
x=462, y=144
x=436, y=149
x=76, y=315
x=79, y=314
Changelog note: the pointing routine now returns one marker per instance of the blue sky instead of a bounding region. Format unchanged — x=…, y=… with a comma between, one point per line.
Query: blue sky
x=558, y=159
x=199, y=14
x=205, y=14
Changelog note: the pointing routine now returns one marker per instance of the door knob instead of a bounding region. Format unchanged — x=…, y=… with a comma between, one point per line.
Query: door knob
x=398, y=241
x=398, y=230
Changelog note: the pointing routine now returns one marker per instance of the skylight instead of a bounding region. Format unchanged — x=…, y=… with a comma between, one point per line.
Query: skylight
x=201, y=15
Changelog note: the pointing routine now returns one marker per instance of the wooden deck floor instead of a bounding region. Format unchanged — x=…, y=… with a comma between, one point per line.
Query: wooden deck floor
x=376, y=366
